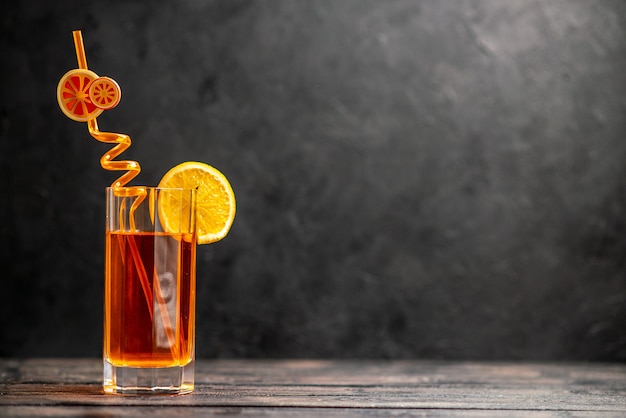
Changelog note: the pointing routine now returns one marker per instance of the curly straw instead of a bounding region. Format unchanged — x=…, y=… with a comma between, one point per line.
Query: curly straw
x=132, y=169
x=122, y=141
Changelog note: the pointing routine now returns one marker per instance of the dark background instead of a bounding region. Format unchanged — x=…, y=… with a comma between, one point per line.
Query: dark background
x=428, y=179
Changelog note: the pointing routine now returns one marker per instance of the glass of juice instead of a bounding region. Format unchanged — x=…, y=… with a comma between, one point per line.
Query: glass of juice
x=150, y=290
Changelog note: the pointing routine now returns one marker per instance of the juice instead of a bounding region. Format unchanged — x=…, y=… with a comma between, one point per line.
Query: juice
x=149, y=317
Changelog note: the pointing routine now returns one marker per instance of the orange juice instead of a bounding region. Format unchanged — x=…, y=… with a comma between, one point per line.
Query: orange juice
x=149, y=317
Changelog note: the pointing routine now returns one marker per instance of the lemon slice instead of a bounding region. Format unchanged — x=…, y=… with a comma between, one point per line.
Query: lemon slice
x=215, y=200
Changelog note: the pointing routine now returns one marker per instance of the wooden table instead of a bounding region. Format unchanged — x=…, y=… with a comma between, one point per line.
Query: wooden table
x=326, y=388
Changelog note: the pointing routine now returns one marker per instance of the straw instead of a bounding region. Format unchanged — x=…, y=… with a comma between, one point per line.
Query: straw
x=132, y=168
x=80, y=49
x=122, y=141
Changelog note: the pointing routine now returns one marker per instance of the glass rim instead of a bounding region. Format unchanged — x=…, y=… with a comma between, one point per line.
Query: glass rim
x=108, y=188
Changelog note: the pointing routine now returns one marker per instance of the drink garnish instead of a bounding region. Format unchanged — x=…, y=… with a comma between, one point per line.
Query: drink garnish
x=215, y=200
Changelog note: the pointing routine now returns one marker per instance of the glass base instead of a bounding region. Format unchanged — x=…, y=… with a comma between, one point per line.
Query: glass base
x=176, y=380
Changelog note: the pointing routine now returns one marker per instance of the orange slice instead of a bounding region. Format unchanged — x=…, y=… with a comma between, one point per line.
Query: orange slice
x=215, y=200
x=73, y=95
x=105, y=93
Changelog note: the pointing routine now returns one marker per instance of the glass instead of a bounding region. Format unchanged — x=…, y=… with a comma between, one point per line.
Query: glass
x=150, y=290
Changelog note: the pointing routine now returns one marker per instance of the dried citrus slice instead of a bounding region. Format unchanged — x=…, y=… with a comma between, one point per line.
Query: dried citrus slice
x=73, y=95
x=215, y=200
x=105, y=93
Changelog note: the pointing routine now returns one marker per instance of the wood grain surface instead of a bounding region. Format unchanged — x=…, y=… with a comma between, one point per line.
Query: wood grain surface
x=72, y=387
